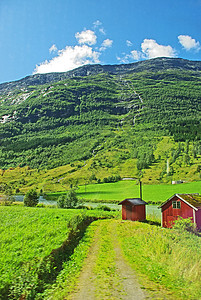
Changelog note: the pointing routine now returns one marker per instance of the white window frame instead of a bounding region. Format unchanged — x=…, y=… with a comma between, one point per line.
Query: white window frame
x=176, y=204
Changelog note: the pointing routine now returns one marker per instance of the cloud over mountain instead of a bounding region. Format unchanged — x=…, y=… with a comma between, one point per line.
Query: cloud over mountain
x=106, y=44
x=86, y=37
x=151, y=49
x=188, y=42
x=68, y=59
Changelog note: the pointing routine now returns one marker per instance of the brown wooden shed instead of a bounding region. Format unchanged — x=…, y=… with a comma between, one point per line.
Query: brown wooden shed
x=133, y=209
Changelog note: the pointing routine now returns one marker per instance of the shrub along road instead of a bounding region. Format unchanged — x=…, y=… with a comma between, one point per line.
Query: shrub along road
x=107, y=275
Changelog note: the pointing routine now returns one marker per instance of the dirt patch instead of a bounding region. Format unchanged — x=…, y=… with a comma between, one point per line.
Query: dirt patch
x=115, y=278
x=85, y=288
x=126, y=284
x=131, y=287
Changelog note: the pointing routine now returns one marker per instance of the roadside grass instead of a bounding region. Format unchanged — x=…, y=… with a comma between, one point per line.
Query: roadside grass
x=67, y=279
x=153, y=218
x=167, y=257
x=28, y=233
x=29, y=236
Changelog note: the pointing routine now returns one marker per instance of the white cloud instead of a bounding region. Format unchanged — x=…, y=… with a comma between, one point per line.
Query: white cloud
x=71, y=57
x=53, y=48
x=136, y=55
x=102, y=30
x=151, y=49
x=125, y=59
x=97, y=23
x=133, y=55
x=129, y=43
x=86, y=37
x=188, y=42
x=106, y=44
x=68, y=59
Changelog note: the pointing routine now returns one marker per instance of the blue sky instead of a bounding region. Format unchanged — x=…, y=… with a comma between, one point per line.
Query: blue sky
x=41, y=36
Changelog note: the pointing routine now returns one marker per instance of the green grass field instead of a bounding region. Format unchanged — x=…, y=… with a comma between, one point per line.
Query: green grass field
x=169, y=258
x=118, y=191
x=27, y=236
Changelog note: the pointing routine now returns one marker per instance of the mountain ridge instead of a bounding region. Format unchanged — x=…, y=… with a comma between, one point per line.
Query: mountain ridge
x=155, y=64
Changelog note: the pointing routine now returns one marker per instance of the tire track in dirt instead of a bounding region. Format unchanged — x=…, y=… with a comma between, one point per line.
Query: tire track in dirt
x=132, y=289
x=85, y=288
x=126, y=285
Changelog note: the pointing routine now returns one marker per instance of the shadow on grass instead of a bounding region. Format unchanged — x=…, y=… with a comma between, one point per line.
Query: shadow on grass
x=151, y=222
x=37, y=275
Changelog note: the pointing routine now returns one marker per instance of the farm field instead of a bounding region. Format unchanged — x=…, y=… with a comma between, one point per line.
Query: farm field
x=118, y=191
x=28, y=236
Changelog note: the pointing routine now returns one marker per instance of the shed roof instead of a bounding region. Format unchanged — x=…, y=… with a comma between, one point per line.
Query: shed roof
x=193, y=200
x=133, y=201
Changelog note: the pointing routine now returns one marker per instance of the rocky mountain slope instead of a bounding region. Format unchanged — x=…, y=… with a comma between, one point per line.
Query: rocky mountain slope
x=154, y=65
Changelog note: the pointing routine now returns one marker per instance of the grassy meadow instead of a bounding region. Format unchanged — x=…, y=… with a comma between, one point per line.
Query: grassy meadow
x=118, y=191
x=28, y=236
x=168, y=258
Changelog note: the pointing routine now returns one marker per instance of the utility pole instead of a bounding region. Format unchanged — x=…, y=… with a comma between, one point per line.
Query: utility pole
x=140, y=189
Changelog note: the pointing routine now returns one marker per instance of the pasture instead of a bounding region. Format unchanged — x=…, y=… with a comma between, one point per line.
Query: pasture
x=118, y=191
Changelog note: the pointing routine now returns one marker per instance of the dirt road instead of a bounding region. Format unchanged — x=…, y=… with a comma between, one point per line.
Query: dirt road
x=106, y=274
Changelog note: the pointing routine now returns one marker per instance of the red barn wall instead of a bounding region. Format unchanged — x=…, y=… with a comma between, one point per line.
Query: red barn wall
x=198, y=218
x=123, y=212
x=138, y=213
x=169, y=214
x=133, y=212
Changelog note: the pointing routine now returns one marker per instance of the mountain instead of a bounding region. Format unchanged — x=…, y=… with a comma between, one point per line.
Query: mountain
x=153, y=65
x=121, y=120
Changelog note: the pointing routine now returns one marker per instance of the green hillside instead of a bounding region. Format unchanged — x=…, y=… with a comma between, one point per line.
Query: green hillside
x=96, y=122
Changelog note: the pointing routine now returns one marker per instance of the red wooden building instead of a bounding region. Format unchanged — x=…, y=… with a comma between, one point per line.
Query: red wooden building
x=183, y=205
x=133, y=209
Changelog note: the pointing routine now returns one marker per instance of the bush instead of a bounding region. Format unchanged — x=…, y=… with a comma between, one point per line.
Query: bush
x=31, y=198
x=184, y=225
x=61, y=201
x=112, y=178
x=17, y=190
x=70, y=200
x=7, y=200
x=103, y=207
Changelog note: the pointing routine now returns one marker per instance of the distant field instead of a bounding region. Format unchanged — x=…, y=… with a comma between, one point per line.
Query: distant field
x=118, y=191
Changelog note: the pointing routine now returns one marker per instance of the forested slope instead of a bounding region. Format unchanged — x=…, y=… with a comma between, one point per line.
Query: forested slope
x=104, y=116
